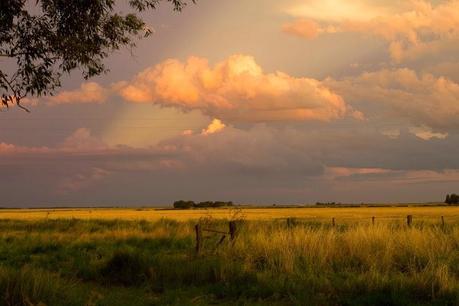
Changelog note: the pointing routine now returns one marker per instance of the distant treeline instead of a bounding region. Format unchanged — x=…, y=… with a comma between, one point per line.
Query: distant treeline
x=191, y=204
x=452, y=199
x=327, y=204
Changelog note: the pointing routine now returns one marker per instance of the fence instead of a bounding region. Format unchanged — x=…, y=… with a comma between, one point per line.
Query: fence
x=234, y=227
x=199, y=229
x=409, y=220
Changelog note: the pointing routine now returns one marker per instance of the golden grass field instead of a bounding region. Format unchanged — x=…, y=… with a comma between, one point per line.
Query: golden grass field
x=113, y=257
x=344, y=214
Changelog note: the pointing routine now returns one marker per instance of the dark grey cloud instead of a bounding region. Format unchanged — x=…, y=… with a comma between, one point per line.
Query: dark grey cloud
x=260, y=164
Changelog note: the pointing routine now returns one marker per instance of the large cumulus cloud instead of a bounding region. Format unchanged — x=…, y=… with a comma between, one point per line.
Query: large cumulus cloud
x=234, y=90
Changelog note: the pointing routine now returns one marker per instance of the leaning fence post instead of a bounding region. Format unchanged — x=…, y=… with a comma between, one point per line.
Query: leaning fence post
x=409, y=220
x=373, y=220
x=232, y=230
x=198, y=230
x=333, y=222
x=442, y=221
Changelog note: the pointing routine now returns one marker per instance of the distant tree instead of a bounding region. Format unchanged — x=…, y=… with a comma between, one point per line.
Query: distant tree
x=452, y=199
x=221, y=204
x=46, y=38
x=326, y=204
x=206, y=204
x=184, y=204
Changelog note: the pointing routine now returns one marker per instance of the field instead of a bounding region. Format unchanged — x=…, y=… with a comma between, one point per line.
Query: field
x=345, y=214
x=148, y=257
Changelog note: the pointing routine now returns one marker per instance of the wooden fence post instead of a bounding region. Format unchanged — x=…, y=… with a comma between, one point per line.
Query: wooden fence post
x=333, y=222
x=373, y=220
x=198, y=230
x=409, y=220
x=442, y=221
x=232, y=230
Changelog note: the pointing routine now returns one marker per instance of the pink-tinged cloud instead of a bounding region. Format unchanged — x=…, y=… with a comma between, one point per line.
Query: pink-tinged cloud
x=422, y=99
x=305, y=28
x=234, y=90
x=79, y=141
x=420, y=29
x=89, y=92
x=11, y=149
x=334, y=172
x=391, y=176
x=426, y=133
x=82, y=140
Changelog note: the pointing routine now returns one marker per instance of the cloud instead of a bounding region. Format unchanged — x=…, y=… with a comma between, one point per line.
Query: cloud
x=80, y=170
x=338, y=10
x=214, y=127
x=89, y=92
x=11, y=149
x=334, y=173
x=422, y=99
x=392, y=133
x=303, y=28
x=82, y=140
x=420, y=29
x=426, y=133
x=80, y=181
x=187, y=132
x=234, y=90
x=6, y=148
x=391, y=176
x=258, y=164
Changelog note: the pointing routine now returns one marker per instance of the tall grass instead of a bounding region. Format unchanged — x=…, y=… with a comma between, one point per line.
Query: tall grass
x=155, y=263
x=27, y=286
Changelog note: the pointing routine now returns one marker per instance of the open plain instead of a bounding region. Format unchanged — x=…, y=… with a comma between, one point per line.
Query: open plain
x=279, y=256
x=313, y=213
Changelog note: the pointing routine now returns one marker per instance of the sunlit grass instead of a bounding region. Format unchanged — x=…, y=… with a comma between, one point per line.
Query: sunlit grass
x=343, y=215
x=142, y=262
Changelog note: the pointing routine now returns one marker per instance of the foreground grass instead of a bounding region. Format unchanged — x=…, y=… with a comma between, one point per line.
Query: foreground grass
x=101, y=262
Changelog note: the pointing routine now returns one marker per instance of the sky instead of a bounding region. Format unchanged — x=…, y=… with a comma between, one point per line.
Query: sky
x=256, y=102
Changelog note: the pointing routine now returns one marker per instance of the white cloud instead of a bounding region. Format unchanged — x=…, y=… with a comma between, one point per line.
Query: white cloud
x=215, y=126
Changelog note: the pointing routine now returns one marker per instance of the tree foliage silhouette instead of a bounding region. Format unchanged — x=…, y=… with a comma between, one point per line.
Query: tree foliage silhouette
x=46, y=38
x=452, y=199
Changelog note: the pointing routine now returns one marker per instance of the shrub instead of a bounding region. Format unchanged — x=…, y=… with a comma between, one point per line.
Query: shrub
x=125, y=268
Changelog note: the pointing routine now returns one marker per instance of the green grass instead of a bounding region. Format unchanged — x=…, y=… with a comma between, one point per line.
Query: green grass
x=115, y=262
